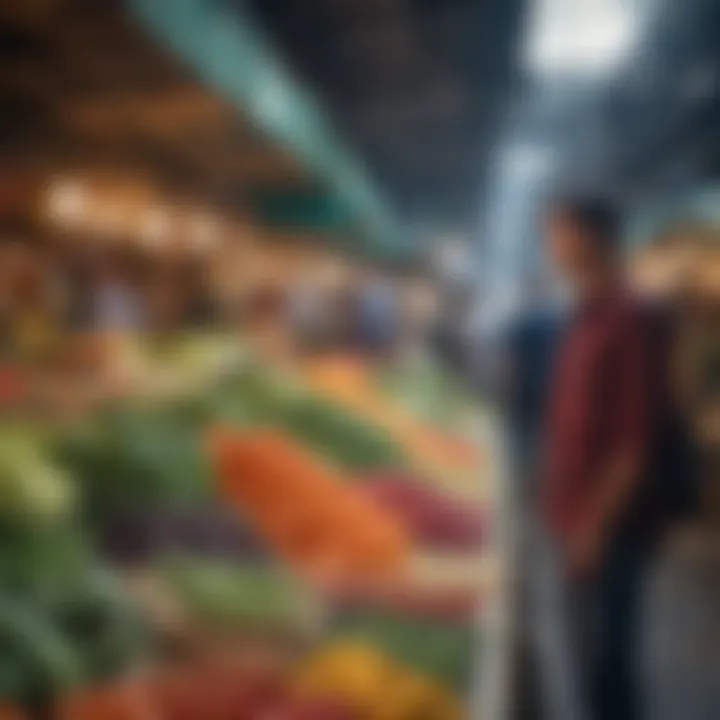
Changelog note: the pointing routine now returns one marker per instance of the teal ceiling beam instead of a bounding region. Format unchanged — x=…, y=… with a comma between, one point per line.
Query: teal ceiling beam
x=227, y=52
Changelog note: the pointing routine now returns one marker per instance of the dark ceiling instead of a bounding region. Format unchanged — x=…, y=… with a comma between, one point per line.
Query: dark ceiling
x=415, y=87
x=81, y=86
x=667, y=110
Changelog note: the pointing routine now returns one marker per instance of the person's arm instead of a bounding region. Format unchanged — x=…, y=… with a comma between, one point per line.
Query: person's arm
x=629, y=407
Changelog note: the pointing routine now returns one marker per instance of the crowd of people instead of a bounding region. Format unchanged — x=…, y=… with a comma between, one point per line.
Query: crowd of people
x=52, y=292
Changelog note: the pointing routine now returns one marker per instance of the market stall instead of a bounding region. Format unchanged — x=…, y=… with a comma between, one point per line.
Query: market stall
x=254, y=518
x=199, y=521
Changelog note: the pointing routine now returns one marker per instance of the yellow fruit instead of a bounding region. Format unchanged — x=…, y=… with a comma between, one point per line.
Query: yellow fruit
x=352, y=672
x=414, y=698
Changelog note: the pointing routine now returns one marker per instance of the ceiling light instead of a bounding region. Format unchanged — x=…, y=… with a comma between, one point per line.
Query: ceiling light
x=155, y=227
x=527, y=160
x=589, y=37
x=66, y=201
x=204, y=231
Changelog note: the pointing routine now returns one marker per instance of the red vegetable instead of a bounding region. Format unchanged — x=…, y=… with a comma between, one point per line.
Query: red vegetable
x=216, y=691
x=431, y=518
x=13, y=385
x=125, y=701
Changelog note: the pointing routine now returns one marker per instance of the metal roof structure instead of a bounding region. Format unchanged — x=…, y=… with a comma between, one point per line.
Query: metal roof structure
x=417, y=88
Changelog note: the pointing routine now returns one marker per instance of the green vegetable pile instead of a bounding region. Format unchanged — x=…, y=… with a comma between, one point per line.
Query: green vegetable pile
x=260, y=397
x=346, y=440
x=231, y=595
x=137, y=457
x=427, y=390
x=32, y=487
x=64, y=619
x=441, y=650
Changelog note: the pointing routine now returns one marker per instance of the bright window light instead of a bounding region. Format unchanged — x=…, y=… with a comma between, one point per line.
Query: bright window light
x=528, y=160
x=590, y=37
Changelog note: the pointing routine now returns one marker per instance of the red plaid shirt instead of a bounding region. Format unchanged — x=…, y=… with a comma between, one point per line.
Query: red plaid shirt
x=601, y=403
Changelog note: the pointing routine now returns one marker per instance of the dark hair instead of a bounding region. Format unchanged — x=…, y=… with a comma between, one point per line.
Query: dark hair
x=597, y=216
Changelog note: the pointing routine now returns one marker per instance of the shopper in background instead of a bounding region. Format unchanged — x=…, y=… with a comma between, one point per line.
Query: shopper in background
x=453, y=336
x=523, y=372
x=309, y=309
x=30, y=308
x=599, y=435
x=116, y=302
x=377, y=313
x=526, y=364
x=664, y=273
x=680, y=659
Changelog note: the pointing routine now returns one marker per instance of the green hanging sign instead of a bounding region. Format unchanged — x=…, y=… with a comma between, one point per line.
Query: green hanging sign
x=227, y=52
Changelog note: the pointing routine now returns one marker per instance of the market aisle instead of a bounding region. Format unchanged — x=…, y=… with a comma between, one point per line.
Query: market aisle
x=682, y=641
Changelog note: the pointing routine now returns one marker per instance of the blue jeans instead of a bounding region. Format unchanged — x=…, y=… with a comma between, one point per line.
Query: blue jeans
x=587, y=632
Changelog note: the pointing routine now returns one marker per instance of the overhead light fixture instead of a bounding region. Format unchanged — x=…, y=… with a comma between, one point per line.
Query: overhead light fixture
x=66, y=200
x=580, y=37
x=204, y=231
x=155, y=227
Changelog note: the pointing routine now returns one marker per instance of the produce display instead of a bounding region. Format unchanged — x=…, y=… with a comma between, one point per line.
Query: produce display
x=232, y=595
x=431, y=518
x=257, y=396
x=206, y=530
x=376, y=684
x=305, y=509
x=244, y=548
x=356, y=388
x=32, y=487
x=442, y=649
x=65, y=619
x=431, y=394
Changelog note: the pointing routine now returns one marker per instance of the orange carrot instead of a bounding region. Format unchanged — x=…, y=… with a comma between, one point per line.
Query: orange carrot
x=302, y=506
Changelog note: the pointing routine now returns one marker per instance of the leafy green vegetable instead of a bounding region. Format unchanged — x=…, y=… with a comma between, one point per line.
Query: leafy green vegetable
x=257, y=395
x=107, y=631
x=427, y=390
x=64, y=619
x=37, y=660
x=225, y=593
x=349, y=441
x=32, y=487
x=138, y=457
